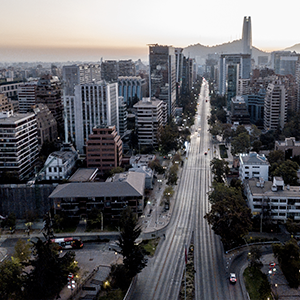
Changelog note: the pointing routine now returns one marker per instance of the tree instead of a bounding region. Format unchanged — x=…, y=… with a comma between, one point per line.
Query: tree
x=49, y=271
x=155, y=165
x=133, y=255
x=22, y=251
x=10, y=280
x=240, y=143
x=276, y=156
x=167, y=138
x=172, y=175
x=288, y=171
x=220, y=169
x=229, y=216
x=115, y=170
x=289, y=259
x=254, y=257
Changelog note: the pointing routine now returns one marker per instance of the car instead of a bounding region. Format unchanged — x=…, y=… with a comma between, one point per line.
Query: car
x=205, y=153
x=232, y=278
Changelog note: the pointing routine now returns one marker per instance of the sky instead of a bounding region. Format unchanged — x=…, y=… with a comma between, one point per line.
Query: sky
x=88, y=30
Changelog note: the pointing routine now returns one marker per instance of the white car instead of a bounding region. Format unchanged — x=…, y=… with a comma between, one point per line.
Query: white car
x=232, y=278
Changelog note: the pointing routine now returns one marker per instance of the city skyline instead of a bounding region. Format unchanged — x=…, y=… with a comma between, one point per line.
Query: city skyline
x=35, y=30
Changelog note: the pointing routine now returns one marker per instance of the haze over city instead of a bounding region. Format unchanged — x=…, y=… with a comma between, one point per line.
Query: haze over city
x=113, y=29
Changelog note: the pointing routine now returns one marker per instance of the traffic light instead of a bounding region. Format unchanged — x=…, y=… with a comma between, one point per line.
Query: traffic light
x=71, y=281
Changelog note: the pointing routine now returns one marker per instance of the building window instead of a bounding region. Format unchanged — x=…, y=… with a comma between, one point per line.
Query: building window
x=282, y=201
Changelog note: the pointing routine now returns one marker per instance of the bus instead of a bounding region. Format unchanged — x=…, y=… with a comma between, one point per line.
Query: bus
x=68, y=243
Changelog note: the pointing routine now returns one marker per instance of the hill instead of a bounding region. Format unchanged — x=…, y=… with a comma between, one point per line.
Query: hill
x=200, y=52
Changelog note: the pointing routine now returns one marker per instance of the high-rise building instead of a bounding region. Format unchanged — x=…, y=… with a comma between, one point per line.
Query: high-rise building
x=46, y=124
x=285, y=62
x=27, y=96
x=48, y=92
x=104, y=149
x=232, y=68
x=94, y=104
x=275, y=108
x=110, y=70
x=151, y=115
x=131, y=87
x=122, y=116
x=126, y=68
x=18, y=143
x=72, y=76
x=162, y=81
x=247, y=36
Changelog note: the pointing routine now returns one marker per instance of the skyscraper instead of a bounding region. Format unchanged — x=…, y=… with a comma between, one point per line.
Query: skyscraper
x=163, y=75
x=247, y=36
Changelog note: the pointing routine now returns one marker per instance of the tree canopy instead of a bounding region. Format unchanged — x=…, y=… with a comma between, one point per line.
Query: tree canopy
x=220, y=169
x=289, y=259
x=229, y=216
x=288, y=171
x=133, y=255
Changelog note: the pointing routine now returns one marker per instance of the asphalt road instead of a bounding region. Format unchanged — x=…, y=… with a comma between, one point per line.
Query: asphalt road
x=161, y=279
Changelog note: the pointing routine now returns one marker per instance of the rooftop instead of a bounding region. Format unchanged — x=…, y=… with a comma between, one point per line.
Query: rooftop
x=253, y=159
x=132, y=185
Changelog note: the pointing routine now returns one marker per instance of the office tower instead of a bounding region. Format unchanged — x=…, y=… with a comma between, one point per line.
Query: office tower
x=46, y=124
x=233, y=67
x=285, y=62
x=247, y=36
x=18, y=143
x=122, y=116
x=151, y=115
x=104, y=149
x=94, y=104
x=131, y=88
x=298, y=85
x=275, y=108
x=179, y=69
x=49, y=92
x=162, y=79
x=74, y=75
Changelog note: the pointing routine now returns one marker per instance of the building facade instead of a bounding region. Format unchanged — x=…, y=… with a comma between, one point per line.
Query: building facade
x=162, y=81
x=275, y=106
x=46, y=124
x=27, y=96
x=253, y=165
x=151, y=115
x=104, y=149
x=275, y=199
x=93, y=104
x=76, y=200
x=131, y=87
x=18, y=143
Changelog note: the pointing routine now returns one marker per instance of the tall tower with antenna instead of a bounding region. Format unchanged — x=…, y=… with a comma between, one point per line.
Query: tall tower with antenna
x=247, y=36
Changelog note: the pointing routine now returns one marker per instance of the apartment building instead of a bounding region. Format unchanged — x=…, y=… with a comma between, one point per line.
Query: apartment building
x=151, y=115
x=122, y=116
x=104, y=149
x=253, y=165
x=239, y=111
x=275, y=106
x=18, y=143
x=273, y=198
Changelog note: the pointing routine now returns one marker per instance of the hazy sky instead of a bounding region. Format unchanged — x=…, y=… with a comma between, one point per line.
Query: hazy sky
x=60, y=30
